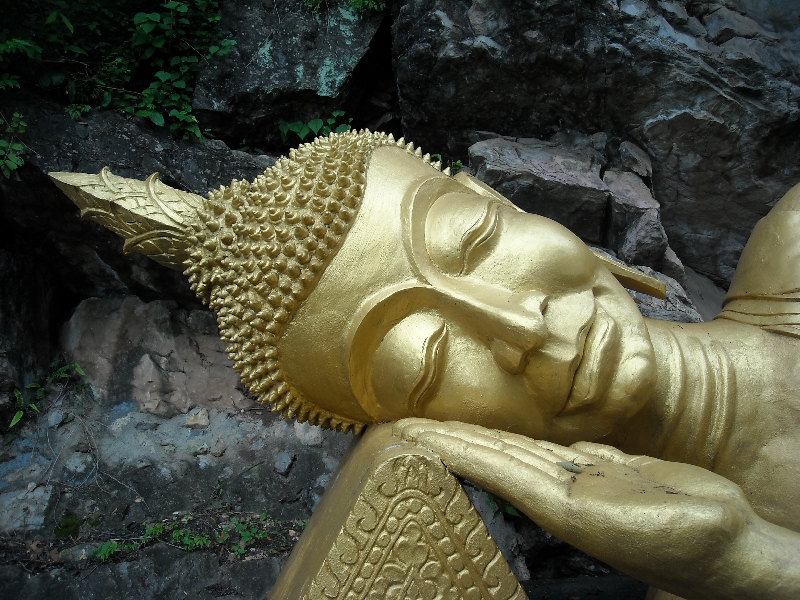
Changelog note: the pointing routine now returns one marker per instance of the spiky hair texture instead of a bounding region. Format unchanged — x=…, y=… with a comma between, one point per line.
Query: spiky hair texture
x=259, y=249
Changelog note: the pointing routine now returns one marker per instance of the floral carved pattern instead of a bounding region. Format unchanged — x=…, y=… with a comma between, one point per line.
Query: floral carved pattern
x=414, y=535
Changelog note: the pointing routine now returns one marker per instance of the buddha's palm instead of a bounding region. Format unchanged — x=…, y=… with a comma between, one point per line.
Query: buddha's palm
x=671, y=524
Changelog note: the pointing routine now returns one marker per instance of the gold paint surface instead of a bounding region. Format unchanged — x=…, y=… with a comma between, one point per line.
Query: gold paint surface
x=394, y=523
x=356, y=283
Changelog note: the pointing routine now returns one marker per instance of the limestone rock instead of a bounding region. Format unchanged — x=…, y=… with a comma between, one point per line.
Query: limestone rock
x=290, y=62
x=672, y=266
x=166, y=359
x=645, y=241
x=724, y=24
x=547, y=179
x=198, y=419
x=634, y=223
x=634, y=158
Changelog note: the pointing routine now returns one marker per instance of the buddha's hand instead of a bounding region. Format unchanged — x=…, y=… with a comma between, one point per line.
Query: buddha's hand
x=670, y=524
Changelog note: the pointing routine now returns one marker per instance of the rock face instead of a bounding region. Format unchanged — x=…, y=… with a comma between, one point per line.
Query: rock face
x=635, y=231
x=145, y=441
x=167, y=360
x=708, y=89
x=547, y=179
x=289, y=63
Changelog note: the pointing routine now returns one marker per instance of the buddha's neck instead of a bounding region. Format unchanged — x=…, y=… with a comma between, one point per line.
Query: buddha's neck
x=692, y=409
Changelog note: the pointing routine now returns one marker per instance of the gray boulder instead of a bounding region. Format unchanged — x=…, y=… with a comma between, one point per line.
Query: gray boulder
x=635, y=230
x=716, y=111
x=290, y=62
x=167, y=360
x=547, y=179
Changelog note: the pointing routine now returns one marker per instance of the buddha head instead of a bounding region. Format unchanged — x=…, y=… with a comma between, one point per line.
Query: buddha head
x=355, y=282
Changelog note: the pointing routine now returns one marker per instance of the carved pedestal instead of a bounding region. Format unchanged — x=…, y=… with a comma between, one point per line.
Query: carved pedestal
x=395, y=524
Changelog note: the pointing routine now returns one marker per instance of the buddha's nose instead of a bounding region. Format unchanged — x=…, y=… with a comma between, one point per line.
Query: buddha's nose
x=512, y=325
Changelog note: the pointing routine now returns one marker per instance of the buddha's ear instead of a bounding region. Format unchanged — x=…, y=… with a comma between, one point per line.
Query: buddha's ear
x=480, y=188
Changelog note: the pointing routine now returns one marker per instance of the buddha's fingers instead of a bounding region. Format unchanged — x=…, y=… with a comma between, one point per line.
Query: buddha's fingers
x=608, y=453
x=551, y=458
x=524, y=480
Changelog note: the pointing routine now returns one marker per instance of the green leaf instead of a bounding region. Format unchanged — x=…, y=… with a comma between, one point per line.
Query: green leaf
x=342, y=128
x=338, y=113
x=157, y=118
x=315, y=125
x=17, y=418
x=51, y=19
x=304, y=131
x=156, y=17
x=163, y=76
x=34, y=407
x=147, y=27
x=180, y=84
x=78, y=369
x=18, y=396
x=139, y=18
x=77, y=50
x=66, y=22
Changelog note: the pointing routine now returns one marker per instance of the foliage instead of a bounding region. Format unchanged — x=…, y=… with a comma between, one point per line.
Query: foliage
x=499, y=505
x=315, y=126
x=190, y=541
x=140, y=56
x=237, y=535
x=455, y=165
x=65, y=374
x=11, y=146
x=105, y=551
x=358, y=5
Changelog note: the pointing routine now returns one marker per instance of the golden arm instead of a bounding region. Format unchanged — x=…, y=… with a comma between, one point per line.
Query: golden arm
x=676, y=526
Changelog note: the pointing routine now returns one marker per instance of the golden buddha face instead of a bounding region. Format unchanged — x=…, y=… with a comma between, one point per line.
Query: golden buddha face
x=446, y=301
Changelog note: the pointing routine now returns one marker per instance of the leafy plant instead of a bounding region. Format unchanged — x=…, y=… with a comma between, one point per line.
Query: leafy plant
x=107, y=550
x=454, y=165
x=11, y=146
x=315, y=126
x=190, y=541
x=135, y=55
x=65, y=374
x=76, y=111
x=499, y=505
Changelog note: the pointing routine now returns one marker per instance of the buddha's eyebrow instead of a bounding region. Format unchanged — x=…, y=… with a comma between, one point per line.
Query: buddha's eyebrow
x=432, y=357
x=476, y=235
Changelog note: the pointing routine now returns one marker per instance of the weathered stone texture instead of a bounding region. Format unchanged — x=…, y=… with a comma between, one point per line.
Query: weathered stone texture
x=290, y=62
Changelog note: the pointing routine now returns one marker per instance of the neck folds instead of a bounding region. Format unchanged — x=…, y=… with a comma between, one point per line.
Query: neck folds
x=696, y=397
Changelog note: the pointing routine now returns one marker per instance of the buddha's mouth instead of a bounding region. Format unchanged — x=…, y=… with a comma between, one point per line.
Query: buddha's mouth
x=595, y=367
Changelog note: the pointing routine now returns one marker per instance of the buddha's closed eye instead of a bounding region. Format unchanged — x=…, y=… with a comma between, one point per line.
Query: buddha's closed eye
x=407, y=362
x=459, y=231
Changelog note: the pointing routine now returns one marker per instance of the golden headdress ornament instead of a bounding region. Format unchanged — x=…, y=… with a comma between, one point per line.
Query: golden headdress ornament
x=253, y=251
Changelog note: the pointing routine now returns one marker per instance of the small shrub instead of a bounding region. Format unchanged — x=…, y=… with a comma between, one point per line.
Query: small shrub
x=315, y=126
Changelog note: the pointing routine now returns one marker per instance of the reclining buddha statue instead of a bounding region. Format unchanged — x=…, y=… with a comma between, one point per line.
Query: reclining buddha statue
x=356, y=283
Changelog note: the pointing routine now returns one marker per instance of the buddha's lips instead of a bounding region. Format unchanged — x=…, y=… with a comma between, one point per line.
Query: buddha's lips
x=593, y=368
